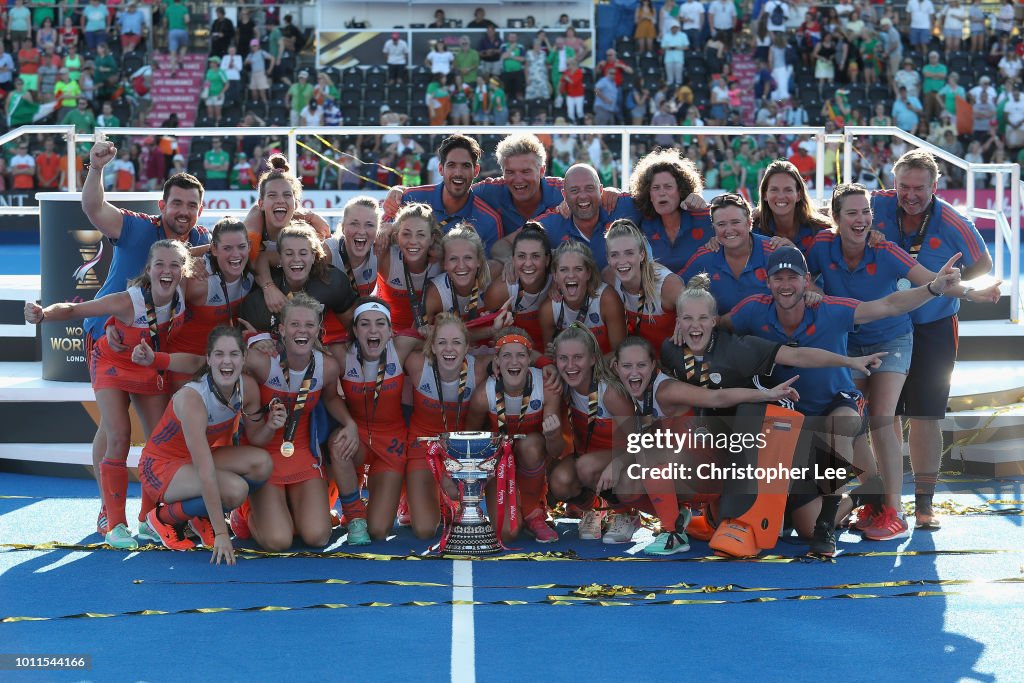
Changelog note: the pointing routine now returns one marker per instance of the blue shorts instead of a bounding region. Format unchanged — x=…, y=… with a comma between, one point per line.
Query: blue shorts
x=899, y=349
x=853, y=400
x=920, y=36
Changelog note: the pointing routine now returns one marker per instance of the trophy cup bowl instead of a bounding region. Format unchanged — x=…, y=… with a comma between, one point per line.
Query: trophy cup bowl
x=471, y=457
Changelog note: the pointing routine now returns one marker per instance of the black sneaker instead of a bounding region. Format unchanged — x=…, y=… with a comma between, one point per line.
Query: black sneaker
x=823, y=543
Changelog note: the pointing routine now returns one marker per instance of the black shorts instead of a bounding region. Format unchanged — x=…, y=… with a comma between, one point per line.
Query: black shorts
x=926, y=391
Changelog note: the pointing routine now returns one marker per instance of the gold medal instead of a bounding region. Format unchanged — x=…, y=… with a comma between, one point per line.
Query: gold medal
x=287, y=449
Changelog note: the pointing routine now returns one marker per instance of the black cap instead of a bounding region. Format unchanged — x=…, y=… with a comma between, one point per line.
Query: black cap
x=787, y=258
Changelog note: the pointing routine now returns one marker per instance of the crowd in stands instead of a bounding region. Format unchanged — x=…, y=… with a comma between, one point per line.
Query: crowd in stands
x=948, y=73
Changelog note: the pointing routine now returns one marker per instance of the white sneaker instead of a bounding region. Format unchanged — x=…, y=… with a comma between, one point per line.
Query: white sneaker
x=621, y=528
x=590, y=525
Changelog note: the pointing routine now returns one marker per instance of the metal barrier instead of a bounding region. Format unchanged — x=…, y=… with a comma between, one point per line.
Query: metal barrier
x=1007, y=233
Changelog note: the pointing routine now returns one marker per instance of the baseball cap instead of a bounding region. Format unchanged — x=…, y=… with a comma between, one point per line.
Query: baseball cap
x=303, y=74
x=787, y=258
x=385, y=109
x=395, y=34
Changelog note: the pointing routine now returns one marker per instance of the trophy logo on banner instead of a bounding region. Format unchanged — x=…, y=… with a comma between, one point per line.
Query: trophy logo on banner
x=90, y=246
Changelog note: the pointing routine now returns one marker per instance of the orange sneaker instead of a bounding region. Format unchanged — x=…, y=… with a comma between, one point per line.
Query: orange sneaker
x=172, y=537
x=101, y=521
x=202, y=528
x=865, y=517
x=887, y=525
x=240, y=521
x=537, y=526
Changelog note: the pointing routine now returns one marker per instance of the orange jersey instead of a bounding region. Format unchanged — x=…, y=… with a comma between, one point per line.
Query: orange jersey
x=110, y=370
x=365, y=273
x=167, y=442
x=533, y=418
x=591, y=317
x=428, y=415
x=381, y=418
x=200, y=319
x=392, y=288
x=588, y=438
x=304, y=464
x=526, y=310
x=654, y=323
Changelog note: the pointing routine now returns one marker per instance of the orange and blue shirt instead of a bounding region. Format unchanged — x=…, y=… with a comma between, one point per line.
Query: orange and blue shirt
x=728, y=289
x=948, y=232
x=479, y=213
x=824, y=327
x=875, y=277
x=496, y=194
x=694, y=231
x=561, y=229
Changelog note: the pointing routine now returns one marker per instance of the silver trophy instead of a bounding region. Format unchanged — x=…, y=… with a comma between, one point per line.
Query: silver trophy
x=471, y=457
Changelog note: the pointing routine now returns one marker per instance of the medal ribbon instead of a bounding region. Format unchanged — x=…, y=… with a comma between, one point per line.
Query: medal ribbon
x=463, y=378
x=915, y=246
x=417, y=303
x=154, y=325
x=292, y=423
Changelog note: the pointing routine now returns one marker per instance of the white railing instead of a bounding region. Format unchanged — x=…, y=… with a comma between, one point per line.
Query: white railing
x=1007, y=232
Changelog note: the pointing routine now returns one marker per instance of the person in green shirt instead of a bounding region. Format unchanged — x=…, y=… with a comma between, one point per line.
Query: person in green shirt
x=466, y=61
x=177, y=17
x=83, y=120
x=933, y=75
x=558, y=62
x=106, y=65
x=215, y=85
x=66, y=91
x=513, y=57
x=499, y=103
x=298, y=96
x=950, y=91
x=217, y=164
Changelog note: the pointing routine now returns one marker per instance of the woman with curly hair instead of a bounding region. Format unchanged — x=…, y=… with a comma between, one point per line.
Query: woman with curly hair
x=661, y=182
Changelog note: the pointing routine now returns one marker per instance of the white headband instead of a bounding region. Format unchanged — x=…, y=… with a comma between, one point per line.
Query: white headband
x=371, y=306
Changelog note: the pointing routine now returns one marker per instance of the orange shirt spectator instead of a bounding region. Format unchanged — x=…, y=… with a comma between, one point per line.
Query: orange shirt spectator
x=50, y=168
x=804, y=163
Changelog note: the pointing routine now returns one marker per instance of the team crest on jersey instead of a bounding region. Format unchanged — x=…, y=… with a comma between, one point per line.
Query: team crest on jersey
x=715, y=378
x=535, y=404
x=396, y=281
x=600, y=411
x=216, y=299
x=312, y=384
x=353, y=372
x=274, y=382
x=367, y=273
x=389, y=369
x=140, y=321
x=425, y=387
x=111, y=371
x=595, y=318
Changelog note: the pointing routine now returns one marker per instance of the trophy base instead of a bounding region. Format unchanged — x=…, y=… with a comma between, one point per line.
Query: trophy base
x=472, y=539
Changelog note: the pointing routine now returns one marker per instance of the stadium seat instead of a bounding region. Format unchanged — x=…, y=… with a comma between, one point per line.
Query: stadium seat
x=421, y=76
x=376, y=77
x=959, y=62
x=352, y=76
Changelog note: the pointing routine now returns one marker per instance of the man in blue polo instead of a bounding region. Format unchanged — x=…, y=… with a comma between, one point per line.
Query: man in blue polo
x=932, y=231
x=829, y=393
x=731, y=220
x=587, y=220
x=132, y=234
x=454, y=200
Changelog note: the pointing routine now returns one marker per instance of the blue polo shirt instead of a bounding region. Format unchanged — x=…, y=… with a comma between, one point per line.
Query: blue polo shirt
x=561, y=229
x=138, y=233
x=497, y=195
x=728, y=289
x=948, y=232
x=823, y=327
x=475, y=211
x=694, y=231
x=874, y=277
x=804, y=234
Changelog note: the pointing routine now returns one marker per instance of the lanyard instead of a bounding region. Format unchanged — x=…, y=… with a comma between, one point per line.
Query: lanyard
x=915, y=246
x=463, y=377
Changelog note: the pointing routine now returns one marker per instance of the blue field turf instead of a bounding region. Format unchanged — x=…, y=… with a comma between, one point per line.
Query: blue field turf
x=964, y=632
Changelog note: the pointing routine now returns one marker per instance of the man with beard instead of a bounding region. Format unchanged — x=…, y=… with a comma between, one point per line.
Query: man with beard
x=827, y=393
x=132, y=234
x=454, y=200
